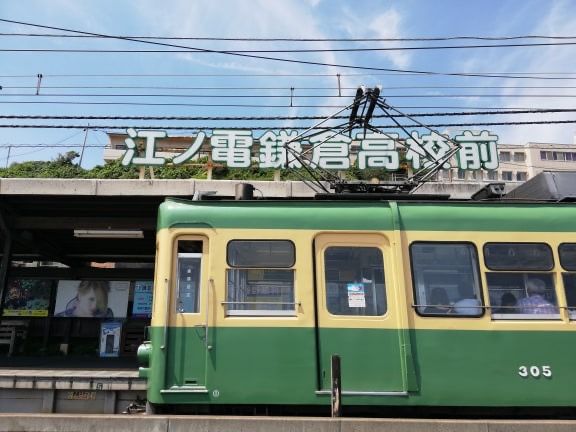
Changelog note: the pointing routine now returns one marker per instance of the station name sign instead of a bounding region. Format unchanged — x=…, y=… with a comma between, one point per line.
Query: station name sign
x=234, y=148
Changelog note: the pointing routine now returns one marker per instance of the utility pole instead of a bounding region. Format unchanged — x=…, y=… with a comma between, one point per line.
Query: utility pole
x=84, y=145
x=8, y=155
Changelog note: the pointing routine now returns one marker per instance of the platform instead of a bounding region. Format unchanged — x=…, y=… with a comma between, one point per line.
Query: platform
x=105, y=391
x=142, y=423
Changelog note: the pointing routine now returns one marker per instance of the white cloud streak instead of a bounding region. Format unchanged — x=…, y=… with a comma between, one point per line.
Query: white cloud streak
x=558, y=21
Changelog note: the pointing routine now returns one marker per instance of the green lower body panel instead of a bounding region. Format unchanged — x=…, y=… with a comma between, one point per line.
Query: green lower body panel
x=291, y=365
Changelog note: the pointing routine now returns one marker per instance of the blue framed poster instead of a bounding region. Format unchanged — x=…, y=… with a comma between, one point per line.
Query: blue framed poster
x=142, y=305
x=110, y=333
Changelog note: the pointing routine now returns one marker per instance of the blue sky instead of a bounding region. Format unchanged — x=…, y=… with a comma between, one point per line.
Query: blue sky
x=319, y=19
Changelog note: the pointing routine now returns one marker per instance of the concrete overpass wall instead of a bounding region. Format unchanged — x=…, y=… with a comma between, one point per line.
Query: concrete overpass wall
x=187, y=188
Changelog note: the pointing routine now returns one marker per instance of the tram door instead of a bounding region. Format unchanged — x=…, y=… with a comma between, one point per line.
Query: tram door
x=356, y=319
x=187, y=343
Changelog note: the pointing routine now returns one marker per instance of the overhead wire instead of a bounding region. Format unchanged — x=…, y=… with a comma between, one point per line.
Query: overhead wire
x=268, y=106
x=287, y=88
x=276, y=59
x=534, y=75
x=51, y=145
x=273, y=118
x=253, y=39
x=282, y=96
x=170, y=127
x=278, y=51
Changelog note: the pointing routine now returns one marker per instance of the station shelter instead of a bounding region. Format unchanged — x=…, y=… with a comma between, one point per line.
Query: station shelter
x=76, y=271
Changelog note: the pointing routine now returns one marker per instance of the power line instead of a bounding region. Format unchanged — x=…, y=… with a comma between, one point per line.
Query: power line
x=283, y=96
x=273, y=118
x=284, y=106
x=278, y=59
x=50, y=146
x=278, y=51
x=421, y=39
x=169, y=127
x=534, y=75
x=287, y=88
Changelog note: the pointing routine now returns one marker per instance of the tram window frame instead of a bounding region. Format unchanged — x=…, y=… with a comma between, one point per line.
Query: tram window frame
x=450, y=307
x=500, y=313
x=261, y=275
x=231, y=243
x=375, y=302
x=568, y=280
x=569, y=283
x=490, y=266
x=566, y=265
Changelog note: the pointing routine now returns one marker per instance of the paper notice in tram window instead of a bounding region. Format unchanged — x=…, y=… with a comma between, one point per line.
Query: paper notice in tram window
x=356, y=296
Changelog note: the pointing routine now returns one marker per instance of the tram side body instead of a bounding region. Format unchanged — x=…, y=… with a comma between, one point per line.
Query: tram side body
x=398, y=358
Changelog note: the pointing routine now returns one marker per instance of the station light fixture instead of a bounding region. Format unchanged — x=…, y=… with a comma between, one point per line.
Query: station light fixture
x=108, y=233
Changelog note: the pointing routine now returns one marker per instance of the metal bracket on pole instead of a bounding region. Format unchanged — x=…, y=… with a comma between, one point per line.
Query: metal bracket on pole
x=38, y=84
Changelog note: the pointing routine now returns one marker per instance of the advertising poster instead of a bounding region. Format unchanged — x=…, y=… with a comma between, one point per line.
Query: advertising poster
x=356, y=297
x=142, y=305
x=27, y=298
x=92, y=299
x=110, y=332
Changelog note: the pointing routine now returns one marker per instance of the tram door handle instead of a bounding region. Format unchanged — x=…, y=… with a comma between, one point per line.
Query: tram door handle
x=205, y=327
x=167, y=318
x=207, y=324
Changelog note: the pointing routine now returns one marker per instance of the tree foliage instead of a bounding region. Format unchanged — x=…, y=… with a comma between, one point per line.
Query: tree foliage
x=63, y=166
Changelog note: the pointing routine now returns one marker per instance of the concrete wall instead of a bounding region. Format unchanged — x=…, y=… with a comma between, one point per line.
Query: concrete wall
x=67, y=401
x=187, y=188
x=142, y=423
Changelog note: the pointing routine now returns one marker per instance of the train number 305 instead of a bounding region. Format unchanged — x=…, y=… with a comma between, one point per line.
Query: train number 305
x=535, y=371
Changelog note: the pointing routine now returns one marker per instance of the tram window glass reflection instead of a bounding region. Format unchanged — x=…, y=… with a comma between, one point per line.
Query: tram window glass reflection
x=522, y=295
x=188, y=281
x=518, y=256
x=446, y=279
x=260, y=280
x=567, y=252
x=261, y=253
x=354, y=278
x=570, y=289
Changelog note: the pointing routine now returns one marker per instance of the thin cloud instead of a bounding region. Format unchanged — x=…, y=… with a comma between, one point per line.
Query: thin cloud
x=387, y=24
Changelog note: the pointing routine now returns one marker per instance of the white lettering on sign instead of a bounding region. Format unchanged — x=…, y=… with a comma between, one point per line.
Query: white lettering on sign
x=232, y=147
x=273, y=153
x=478, y=151
x=331, y=151
x=535, y=371
x=328, y=150
x=378, y=151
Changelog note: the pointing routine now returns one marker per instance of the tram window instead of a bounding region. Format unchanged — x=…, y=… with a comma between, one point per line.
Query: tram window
x=446, y=279
x=522, y=295
x=567, y=253
x=354, y=279
x=261, y=280
x=570, y=289
x=261, y=253
x=188, y=282
x=518, y=256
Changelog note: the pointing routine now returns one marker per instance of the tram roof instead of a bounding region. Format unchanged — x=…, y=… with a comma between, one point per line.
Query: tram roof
x=378, y=215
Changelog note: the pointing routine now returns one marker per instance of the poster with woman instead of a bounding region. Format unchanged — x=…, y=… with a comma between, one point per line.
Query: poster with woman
x=27, y=298
x=92, y=299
